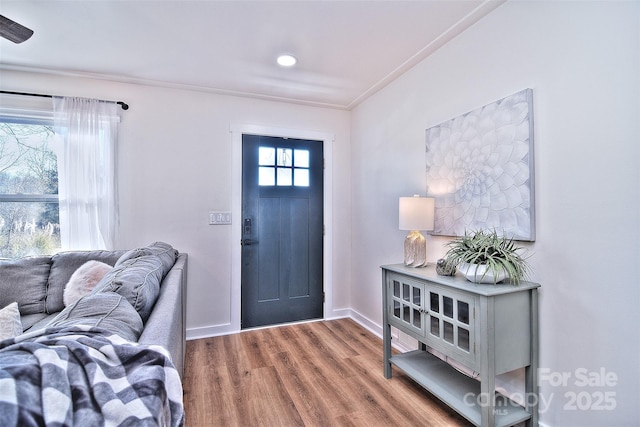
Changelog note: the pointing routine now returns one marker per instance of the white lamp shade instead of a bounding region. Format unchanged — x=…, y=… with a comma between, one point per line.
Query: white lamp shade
x=416, y=213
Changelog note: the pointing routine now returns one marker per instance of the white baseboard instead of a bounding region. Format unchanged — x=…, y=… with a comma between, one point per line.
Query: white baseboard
x=227, y=328
x=366, y=323
x=209, y=331
x=338, y=314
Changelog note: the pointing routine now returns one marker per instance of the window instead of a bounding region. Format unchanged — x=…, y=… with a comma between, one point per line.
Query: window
x=29, y=214
x=57, y=174
x=283, y=167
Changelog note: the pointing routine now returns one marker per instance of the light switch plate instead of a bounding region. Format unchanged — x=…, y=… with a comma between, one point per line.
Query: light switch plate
x=219, y=218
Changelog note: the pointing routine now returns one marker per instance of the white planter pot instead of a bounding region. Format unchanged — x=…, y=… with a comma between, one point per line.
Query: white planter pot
x=478, y=273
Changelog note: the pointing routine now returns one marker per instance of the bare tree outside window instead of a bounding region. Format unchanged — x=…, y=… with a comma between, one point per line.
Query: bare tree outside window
x=29, y=215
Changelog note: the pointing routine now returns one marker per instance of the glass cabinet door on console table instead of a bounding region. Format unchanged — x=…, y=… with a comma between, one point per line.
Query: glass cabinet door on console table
x=489, y=329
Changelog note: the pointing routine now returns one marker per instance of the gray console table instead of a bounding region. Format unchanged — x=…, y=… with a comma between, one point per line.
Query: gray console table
x=489, y=329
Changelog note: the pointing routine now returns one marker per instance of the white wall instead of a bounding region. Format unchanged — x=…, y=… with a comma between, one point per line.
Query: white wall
x=582, y=60
x=175, y=165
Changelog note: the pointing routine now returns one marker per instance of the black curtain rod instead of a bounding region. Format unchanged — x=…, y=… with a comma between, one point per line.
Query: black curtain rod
x=120, y=103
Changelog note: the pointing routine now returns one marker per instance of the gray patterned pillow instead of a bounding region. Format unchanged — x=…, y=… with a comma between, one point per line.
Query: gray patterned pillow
x=165, y=253
x=133, y=253
x=138, y=280
x=107, y=310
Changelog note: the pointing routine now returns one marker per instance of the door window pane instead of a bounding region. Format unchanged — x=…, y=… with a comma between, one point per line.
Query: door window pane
x=301, y=158
x=284, y=157
x=301, y=177
x=266, y=176
x=266, y=156
x=284, y=176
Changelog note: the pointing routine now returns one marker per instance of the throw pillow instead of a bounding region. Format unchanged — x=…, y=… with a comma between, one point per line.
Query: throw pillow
x=83, y=280
x=165, y=253
x=10, y=324
x=138, y=280
x=133, y=253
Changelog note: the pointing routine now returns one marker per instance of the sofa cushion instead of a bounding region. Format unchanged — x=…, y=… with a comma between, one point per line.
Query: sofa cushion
x=31, y=322
x=10, y=324
x=25, y=281
x=63, y=265
x=138, y=280
x=83, y=280
x=106, y=310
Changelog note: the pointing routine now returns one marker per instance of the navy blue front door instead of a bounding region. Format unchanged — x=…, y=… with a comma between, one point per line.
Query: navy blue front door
x=282, y=230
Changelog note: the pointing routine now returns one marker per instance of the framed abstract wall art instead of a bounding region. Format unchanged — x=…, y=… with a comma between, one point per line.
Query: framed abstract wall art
x=480, y=169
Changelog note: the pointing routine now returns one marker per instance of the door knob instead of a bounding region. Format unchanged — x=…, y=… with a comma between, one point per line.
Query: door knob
x=248, y=242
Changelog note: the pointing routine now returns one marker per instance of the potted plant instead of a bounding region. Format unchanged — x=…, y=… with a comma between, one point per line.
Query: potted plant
x=485, y=257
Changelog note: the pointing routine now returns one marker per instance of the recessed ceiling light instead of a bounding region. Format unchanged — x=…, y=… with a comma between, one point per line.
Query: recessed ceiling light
x=287, y=60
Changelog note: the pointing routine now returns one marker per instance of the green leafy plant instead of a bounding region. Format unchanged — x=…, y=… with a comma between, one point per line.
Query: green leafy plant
x=487, y=248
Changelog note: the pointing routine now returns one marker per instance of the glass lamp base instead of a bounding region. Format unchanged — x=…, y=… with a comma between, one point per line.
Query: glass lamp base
x=415, y=250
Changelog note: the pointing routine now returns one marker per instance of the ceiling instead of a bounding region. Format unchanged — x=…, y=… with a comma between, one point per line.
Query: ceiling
x=346, y=50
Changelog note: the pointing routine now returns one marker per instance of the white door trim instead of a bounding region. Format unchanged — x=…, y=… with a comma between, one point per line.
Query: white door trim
x=236, y=209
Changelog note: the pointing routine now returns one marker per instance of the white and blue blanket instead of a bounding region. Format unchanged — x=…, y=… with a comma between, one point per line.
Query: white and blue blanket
x=86, y=377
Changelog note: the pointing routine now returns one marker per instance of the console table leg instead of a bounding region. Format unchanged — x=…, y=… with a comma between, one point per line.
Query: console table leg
x=386, y=329
x=386, y=332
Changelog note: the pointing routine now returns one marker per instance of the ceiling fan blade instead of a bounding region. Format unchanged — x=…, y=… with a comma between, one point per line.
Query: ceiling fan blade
x=13, y=31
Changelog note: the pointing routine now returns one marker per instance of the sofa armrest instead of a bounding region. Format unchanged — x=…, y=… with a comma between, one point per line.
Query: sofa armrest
x=166, y=323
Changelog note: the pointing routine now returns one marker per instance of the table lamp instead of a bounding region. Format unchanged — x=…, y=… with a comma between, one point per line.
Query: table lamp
x=416, y=214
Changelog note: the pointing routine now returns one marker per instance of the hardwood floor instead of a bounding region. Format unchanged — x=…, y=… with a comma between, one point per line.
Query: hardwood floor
x=326, y=373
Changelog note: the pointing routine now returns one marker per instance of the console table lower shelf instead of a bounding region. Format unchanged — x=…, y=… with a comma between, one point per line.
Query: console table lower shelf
x=455, y=389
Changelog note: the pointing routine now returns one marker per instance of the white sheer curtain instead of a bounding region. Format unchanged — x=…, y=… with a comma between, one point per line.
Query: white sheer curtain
x=86, y=172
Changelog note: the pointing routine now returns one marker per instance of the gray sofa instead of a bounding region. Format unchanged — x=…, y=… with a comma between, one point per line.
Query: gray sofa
x=37, y=284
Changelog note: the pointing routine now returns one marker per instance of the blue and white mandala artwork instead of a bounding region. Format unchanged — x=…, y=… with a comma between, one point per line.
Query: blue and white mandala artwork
x=480, y=169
